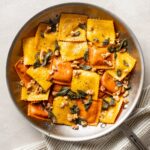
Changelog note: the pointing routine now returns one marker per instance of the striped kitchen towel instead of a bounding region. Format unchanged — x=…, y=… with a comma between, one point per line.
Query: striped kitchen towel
x=139, y=123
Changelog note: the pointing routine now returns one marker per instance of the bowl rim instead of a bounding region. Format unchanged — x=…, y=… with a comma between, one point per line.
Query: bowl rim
x=136, y=99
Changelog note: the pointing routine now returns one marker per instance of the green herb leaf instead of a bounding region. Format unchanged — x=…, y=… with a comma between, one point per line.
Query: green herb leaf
x=106, y=42
x=85, y=67
x=81, y=94
x=88, y=103
x=105, y=105
x=82, y=26
x=112, y=102
x=63, y=91
x=119, y=73
x=36, y=63
x=111, y=48
x=51, y=117
x=123, y=44
x=46, y=58
x=128, y=87
x=74, y=109
x=86, y=55
x=78, y=120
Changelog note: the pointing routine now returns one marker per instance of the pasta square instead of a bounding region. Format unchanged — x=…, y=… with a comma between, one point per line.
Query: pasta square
x=29, y=50
x=40, y=75
x=44, y=40
x=70, y=23
x=100, y=30
x=109, y=116
x=124, y=65
x=33, y=96
x=100, y=58
x=64, y=70
x=86, y=80
x=91, y=115
x=71, y=51
x=61, y=113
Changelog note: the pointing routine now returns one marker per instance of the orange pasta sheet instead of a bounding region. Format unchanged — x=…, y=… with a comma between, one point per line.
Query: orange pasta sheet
x=21, y=71
x=108, y=82
x=63, y=73
x=93, y=113
x=36, y=110
x=99, y=56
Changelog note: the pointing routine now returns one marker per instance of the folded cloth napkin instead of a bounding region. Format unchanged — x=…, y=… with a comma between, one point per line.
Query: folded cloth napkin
x=139, y=122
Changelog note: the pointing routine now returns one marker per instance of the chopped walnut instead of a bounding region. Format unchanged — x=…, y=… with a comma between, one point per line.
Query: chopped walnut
x=48, y=29
x=21, y=83
x=126, y=101
x=117, y=34
x=90, y=92
x=116, y=97
x=109, y=63
x=54, y=93
x=51, y=72
x=126, y=94
x=76, y=73
x=75, y=127
x=56, y=53
x=30, y=84
x=38, y=89
x=57, y=27
x=94, y=69
x=100, y=72
x=84, y=123
x=65, y=97
x=106, y=55
x=102, y=88
x=63, y=104
x=75, y=66
x=54, y=68
x=90, y=43
x=76, y=62
x=123, y=50
x=71, y=117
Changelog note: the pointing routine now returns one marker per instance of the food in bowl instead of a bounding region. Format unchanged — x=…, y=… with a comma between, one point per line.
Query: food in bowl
x=75, y=70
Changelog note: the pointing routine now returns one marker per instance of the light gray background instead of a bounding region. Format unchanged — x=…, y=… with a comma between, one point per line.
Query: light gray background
x=14, y=130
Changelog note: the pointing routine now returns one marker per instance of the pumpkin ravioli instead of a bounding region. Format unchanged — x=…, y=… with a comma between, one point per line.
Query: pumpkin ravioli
x=71, y=23
x=45, y=40
x=86, y=80
x=124, y=65
x=100, y=58
x=40, y=75
x=99, y=30
x=109, y=116
x=71, y=51
x=61, y=113
x=92, y=114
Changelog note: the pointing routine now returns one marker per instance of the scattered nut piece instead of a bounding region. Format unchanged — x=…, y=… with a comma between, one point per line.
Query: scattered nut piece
x=109, y=63
x=84, y=123
x=123, y=50
x=21, y=83
x=100, y=72
x=75, y=127
x=48, y=29
x=57, y=27
x=54, y=68
x=125, y=101
x=90, y=43
x=76, y=73
x=116, y=97
x=54, y=93
x=117, y=34
x=66, y=97
x=63, y=104
x=76, y=62
x=90, y=92
x=106, y=55
x=102, y=88
x=56, y=53
x=51, y=72
x=126, y=94
x=42, y=55
x=75, y=66
x=94, y=69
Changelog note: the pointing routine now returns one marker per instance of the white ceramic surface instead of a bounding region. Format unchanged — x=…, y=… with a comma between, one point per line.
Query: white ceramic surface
x=15, y=131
